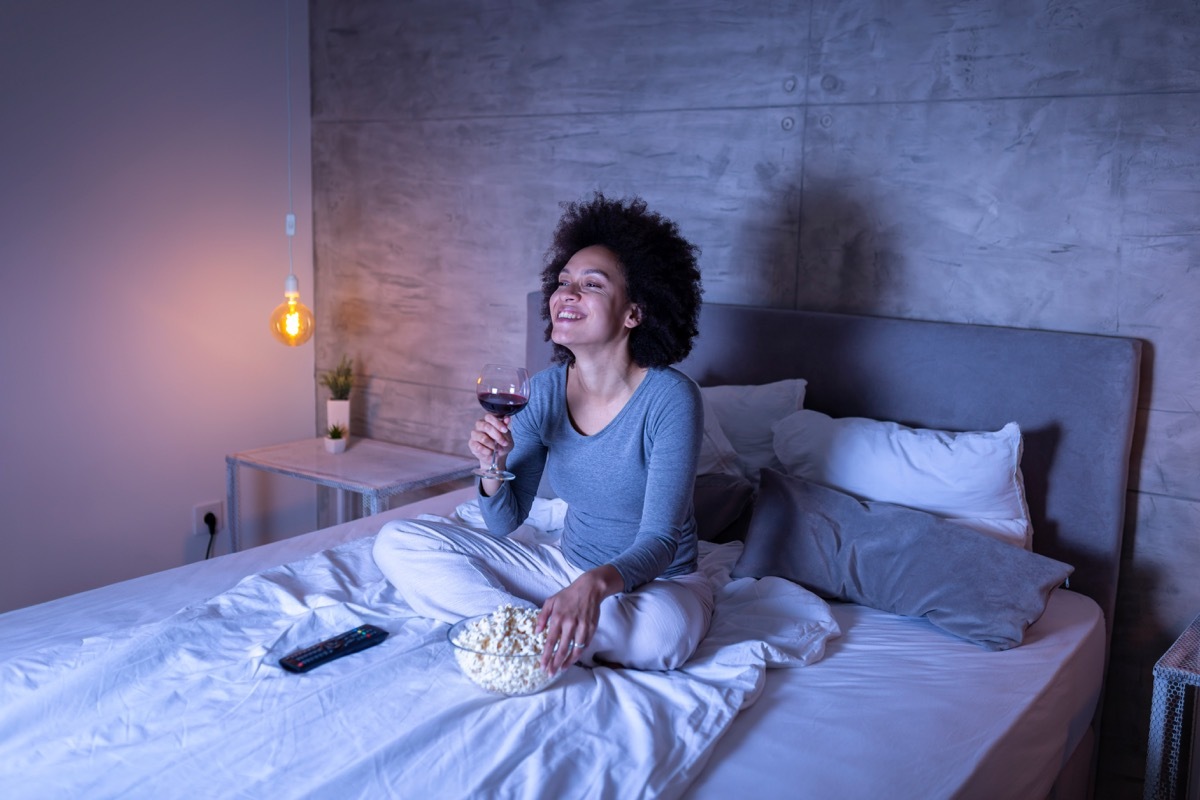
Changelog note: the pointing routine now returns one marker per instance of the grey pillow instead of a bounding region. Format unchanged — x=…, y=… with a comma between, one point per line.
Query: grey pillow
x=722, y=506
x=897, y=559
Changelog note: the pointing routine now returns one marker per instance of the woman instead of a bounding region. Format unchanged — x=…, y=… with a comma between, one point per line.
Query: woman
x=616, y=431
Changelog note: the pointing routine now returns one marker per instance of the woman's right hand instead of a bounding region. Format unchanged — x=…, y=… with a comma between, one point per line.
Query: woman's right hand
x=491, y=434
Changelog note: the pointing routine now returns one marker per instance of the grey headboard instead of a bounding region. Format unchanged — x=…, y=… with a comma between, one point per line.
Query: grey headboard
x=1074, y=396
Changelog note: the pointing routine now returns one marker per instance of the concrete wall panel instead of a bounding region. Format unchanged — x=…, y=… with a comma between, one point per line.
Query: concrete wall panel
x=930, y=211
x=878, y=51
x=527, y=57
x=430, y=233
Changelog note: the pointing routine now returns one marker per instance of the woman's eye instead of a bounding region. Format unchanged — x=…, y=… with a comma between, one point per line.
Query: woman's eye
x=565, y=283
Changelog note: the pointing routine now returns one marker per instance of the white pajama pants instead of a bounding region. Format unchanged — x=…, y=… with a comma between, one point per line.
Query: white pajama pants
x=447, y=572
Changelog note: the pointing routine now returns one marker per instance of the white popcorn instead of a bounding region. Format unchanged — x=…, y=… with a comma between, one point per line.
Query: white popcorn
x=502, y=653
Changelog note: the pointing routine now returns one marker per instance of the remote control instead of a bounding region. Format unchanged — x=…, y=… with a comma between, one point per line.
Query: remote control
x=343, y=644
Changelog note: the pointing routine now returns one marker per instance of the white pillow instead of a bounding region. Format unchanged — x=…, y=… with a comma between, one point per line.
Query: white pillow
x=717, y=456
x=972, y=478
x=746, y=415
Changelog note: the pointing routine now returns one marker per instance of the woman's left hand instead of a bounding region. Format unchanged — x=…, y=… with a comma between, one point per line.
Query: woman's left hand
x=570, y=617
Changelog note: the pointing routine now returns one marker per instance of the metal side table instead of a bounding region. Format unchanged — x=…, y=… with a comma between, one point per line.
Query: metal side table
x=374, y=469
x=1175, y=673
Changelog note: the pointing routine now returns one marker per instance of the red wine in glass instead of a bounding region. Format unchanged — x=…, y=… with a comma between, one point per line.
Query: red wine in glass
x=502, y=390
x=502, y=404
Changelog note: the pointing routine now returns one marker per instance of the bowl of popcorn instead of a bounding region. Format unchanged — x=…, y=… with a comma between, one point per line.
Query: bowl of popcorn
x=500, y=651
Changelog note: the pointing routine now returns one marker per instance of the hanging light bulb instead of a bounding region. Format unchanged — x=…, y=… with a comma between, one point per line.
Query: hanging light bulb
x=291, y=322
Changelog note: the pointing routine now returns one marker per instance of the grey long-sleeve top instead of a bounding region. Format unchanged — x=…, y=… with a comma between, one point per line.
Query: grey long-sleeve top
x=628, y=487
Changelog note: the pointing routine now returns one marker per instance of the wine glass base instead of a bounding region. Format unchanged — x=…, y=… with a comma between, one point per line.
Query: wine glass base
x=494, y=474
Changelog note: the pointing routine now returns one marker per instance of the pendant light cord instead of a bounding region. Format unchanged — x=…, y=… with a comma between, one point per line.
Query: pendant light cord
x=292, y=322
x=287, y=65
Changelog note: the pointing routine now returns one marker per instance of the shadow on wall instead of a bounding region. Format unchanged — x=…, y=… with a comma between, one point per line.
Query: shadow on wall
x=846, y=260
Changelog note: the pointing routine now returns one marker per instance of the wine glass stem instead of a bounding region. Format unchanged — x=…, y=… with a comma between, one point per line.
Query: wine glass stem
x=495, y=455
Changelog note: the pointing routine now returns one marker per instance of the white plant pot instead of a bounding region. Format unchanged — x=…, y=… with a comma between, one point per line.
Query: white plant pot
x=337, y=412
x=335, y=445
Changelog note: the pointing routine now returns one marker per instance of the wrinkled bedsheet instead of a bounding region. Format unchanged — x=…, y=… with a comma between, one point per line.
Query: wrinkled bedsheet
x=197, y=705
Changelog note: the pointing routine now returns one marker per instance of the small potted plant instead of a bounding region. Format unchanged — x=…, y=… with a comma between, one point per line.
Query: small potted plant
x=339, y=380
x=335, y=439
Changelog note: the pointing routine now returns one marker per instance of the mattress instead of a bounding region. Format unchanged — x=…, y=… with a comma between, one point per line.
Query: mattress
x=894, y=708
x=900, y=709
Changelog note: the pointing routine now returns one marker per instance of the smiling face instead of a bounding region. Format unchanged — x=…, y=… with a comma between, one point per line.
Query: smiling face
x=590, y=307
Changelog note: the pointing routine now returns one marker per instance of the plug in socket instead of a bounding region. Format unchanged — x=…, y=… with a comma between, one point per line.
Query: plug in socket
x=217, y=508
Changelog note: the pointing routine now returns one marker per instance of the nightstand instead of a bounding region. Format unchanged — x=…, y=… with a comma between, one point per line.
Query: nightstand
x=1176, y=679
x=376, y=470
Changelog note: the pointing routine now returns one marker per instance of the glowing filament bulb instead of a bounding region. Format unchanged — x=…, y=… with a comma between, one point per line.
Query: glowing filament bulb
x=292, y=322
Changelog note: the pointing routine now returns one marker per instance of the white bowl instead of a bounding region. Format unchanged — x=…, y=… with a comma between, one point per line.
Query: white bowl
x=498, y=672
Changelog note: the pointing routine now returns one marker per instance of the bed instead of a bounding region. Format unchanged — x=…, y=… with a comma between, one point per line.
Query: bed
x=168, y=685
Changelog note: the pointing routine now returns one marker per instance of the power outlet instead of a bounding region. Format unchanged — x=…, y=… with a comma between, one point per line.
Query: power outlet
x=217, y=508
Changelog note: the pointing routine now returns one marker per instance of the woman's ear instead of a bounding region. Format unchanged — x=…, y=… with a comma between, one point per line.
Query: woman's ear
x=634, y=317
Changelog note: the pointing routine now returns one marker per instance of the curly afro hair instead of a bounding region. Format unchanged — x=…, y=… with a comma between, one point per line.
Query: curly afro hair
x=659, y=266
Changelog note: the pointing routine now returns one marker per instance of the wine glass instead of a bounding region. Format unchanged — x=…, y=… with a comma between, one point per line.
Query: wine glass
x=501, y=390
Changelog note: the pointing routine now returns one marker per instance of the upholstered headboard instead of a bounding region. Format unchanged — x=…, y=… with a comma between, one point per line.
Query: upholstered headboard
x=1074, y=396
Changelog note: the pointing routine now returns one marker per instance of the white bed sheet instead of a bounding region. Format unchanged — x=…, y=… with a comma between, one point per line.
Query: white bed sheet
x=866, y=721
x=197, y=702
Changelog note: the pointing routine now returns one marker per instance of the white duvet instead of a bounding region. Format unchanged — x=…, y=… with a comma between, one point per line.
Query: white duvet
x=197, y=706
